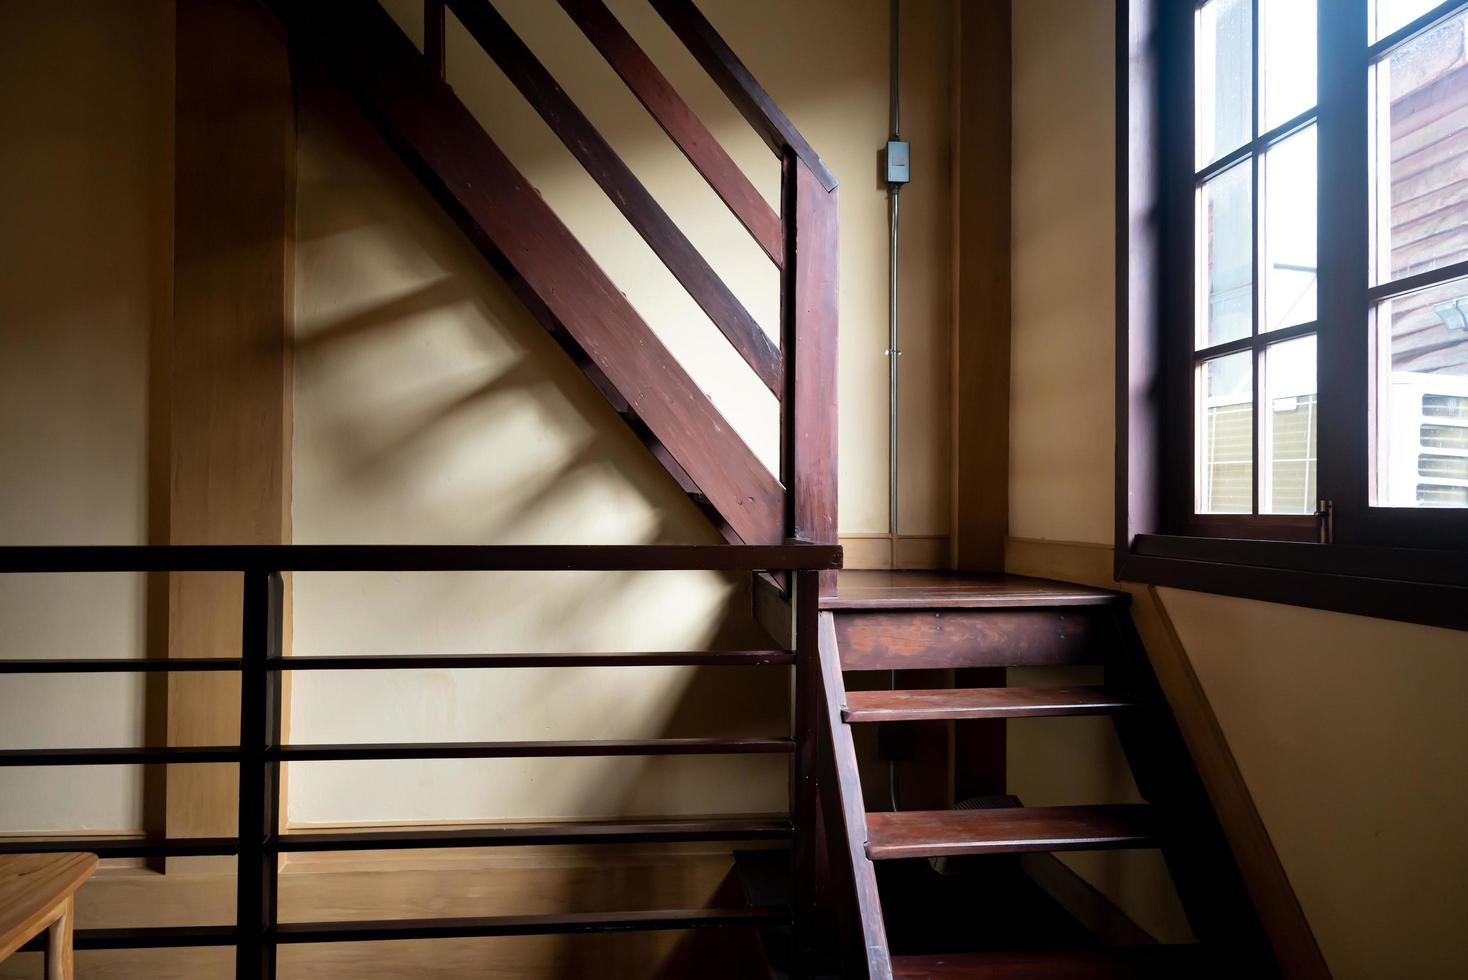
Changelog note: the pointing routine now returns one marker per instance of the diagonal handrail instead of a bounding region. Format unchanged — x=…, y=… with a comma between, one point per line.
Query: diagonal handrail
x=738, y=83
x=678, y=120
x=570, y=124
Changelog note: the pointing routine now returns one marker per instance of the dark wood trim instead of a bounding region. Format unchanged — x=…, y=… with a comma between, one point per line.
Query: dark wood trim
x=298, y=752
x=752, y=101
x=810, y=288
x=535, y=834
x=981, y=331
x=614, y=177
x=411, y=558
x=548, y=268
x=1381, y=598
x=527, y=925
x=1138, y=269
x=683, y=127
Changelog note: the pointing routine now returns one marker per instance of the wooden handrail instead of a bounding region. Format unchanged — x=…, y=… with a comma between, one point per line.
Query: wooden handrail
x=678, y=120
x=413, y=558
x=729, y=73
x=642, y=211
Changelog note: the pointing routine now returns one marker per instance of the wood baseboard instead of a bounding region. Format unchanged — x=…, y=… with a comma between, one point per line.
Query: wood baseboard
x=878, y=550
x=1274, y=898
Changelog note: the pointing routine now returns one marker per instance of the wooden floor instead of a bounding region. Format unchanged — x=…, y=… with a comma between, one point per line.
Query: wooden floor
x=863, y=589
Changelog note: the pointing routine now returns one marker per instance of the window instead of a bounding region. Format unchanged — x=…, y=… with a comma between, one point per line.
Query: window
x=1294, y=290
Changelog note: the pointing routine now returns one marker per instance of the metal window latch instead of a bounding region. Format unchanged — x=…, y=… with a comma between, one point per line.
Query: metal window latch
x=1325, y=520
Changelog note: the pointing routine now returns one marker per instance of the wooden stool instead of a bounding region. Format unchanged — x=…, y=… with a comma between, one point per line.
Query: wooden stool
x=37, y=891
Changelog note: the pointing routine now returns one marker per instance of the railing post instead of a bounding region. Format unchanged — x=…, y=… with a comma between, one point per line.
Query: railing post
x=812, y=899
x=259, y=807
x=809, y=346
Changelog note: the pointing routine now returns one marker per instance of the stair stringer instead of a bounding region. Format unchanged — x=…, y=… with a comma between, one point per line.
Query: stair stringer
x=1198, y=854
x=864, y=951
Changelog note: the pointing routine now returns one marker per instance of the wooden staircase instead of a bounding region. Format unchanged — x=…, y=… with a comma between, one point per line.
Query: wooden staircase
x=887, y=622
x=914, y=621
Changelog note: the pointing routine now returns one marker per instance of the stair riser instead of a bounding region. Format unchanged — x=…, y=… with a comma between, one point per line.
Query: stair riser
x=943, y=639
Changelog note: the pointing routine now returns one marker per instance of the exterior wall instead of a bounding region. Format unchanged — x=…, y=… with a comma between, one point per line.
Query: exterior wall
x=86, y=95
x=1349, y=731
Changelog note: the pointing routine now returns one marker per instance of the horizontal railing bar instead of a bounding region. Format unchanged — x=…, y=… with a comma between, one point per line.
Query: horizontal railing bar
x=124, y=847
x=417, y=558
x=118, y=665
x=527, y=925
x=119, y=756
x=712, y=658
x=579, y=832
x=151, y=937
x=528, y=750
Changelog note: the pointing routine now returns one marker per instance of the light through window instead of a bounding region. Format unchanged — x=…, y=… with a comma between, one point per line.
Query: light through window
x=1256, y=247
x=1419, y=177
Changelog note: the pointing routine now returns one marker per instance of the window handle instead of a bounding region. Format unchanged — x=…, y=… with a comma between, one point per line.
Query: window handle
x=1325, y=520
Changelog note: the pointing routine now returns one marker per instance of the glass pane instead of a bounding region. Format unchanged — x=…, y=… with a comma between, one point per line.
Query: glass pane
x=1389, y=15
x=1421, y=153
x=1288, y=82
x=1289, y=231
x=1290, y=424
x=1226, y=244
x=1422, y=398
x=1226, y=435
x=1224, y=82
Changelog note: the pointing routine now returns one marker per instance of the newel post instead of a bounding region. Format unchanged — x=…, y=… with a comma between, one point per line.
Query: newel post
x=809, y=348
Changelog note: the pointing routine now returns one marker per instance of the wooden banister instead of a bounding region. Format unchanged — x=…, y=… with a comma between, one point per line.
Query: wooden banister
x=686, y=130
x=503, y=214
x=567, y=121
x=729, y=73
x=809, y=292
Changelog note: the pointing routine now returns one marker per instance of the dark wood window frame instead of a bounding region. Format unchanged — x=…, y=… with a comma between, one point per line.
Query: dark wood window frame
x=1397, y=563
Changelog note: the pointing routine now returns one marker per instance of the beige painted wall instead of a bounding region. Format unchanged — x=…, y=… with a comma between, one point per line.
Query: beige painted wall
x=86, y=95
x=430, y=408
x=1349, y=731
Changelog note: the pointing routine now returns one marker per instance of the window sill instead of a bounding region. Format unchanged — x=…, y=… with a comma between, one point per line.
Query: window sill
x=1414, y=586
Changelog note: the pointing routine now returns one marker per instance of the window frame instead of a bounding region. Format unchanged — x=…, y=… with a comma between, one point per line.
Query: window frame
x=1400, y=563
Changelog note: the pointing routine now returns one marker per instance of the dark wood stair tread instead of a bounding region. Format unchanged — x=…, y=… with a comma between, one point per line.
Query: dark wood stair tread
x=1143, y=963
x=986, y=702
x=939, y=833
x=864, y=589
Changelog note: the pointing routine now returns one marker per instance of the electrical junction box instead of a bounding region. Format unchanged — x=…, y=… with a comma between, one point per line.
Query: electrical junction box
x=897, y=162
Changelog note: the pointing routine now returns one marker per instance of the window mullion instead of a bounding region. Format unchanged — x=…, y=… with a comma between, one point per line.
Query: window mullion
x=1257, y=276
x=1343, y=231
